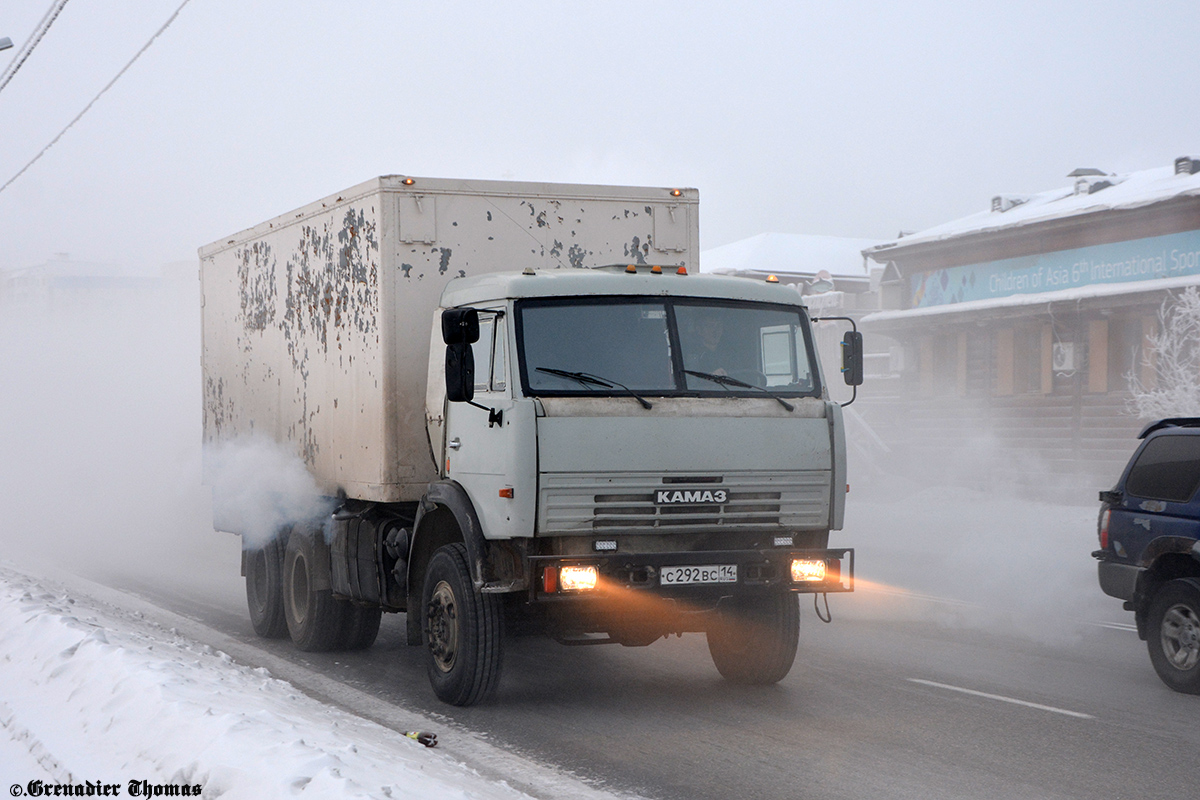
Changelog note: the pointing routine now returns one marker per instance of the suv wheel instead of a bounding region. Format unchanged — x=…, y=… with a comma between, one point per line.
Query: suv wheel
x=1174, y=635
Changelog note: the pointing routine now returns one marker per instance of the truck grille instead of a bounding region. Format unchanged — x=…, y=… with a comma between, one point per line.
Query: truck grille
x=626, y=502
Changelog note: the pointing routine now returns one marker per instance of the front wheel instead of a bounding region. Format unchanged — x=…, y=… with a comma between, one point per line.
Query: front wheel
x=755, y=641
x=463, y=630
x=1174, y=635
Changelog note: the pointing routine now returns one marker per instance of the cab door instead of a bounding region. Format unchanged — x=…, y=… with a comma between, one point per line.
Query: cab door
x=494, y=459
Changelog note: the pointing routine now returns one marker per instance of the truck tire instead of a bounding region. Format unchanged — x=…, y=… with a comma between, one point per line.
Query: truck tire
x=264, y=590
x=1174, y=635
x=361, y=627
x=315, y=619
x=755, y=641
x=463, y=630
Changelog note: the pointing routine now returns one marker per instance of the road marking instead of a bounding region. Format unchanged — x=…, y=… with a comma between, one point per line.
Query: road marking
x=1003, y=699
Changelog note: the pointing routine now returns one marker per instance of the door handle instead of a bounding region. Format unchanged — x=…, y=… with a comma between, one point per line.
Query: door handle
x=454, y=443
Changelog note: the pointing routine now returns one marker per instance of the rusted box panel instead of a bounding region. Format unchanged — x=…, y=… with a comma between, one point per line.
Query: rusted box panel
x=317, y=323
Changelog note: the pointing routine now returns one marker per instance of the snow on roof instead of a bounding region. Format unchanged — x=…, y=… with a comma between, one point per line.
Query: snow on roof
x=1133, y=190
x=791, y=253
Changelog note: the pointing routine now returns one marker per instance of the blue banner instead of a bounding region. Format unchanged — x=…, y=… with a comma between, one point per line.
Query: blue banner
x=1169, y=256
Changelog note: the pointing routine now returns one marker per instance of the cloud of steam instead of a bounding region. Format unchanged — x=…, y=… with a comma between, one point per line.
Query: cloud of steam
x=259, y=487
x=100, y=428
x=973, y=536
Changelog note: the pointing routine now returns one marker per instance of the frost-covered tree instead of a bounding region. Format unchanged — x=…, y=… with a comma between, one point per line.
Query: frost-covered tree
x=1172, y=356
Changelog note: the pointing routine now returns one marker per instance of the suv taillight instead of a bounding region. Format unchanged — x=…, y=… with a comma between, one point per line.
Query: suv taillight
x=1103, y=525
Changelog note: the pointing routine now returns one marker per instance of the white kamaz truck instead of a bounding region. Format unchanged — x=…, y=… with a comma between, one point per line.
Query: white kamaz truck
x=527, y=412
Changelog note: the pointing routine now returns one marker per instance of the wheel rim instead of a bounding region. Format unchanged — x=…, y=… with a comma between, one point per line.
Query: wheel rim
x=1181, y=636
x=299, y=589
x=442, y=614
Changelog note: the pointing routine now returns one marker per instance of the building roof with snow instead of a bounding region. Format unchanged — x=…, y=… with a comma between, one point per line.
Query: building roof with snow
x=790, y=254
x=1094, y=191
x=1106, y=239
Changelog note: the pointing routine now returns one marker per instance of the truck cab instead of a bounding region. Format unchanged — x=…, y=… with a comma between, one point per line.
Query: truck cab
x=642, y=452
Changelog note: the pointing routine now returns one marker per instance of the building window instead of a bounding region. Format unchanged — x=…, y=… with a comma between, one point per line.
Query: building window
x=943, y=365
x=1124, y=351
x=1027, y=361
x=1024, y=360
x=1115, y=351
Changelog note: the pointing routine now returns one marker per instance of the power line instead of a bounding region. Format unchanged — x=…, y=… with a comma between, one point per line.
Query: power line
x=107, y=86
x=36, y=37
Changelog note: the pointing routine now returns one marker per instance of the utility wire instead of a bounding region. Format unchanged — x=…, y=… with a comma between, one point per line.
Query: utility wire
x=108, y=86
x=31, y=43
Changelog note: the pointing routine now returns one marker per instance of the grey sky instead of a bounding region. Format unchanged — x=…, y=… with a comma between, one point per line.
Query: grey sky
x=848, y=119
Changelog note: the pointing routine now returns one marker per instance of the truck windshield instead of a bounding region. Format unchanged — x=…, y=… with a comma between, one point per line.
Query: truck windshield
x=664, y=347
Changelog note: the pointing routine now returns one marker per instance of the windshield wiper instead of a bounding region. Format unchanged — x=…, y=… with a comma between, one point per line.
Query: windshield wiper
x=587, y=379
x=725, y=380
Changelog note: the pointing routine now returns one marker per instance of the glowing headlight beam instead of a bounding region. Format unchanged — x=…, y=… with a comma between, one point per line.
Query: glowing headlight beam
x=805, y=570
x=577, y=579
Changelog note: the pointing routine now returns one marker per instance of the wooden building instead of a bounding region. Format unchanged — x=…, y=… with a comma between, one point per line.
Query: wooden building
x=1021, y=327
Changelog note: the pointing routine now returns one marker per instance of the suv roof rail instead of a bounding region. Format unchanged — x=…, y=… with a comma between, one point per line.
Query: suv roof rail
x=1170, y=422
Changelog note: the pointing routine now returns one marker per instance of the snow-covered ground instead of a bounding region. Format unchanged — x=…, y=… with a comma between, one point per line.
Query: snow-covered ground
x=93, y=693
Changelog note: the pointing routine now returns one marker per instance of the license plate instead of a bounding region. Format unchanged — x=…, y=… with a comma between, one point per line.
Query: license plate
x=681, y=576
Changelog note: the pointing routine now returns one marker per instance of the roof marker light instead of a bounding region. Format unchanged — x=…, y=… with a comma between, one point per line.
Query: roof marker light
x=772, y=279
x=656, y=270
x=408, y=181
x=681, y=271
x=631, y=268
x=676, y=193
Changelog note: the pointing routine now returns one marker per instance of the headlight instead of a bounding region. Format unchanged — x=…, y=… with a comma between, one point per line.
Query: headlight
x=577, y=579
x=808, y=570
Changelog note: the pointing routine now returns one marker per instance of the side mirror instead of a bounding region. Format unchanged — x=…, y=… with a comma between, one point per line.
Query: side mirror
x=852, y=358
x=460, y=326
x=460, y=372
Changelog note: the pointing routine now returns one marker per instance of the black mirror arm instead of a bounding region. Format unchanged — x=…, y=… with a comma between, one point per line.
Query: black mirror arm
x=495, y=416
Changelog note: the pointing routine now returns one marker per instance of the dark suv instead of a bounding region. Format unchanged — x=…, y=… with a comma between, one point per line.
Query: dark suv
x=1149, y=552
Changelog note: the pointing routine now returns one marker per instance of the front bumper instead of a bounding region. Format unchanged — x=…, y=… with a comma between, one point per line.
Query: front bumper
x=757, y=570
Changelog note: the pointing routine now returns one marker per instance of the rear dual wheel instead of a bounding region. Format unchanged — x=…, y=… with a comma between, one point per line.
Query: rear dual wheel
x=316, y=620
x=264, y=590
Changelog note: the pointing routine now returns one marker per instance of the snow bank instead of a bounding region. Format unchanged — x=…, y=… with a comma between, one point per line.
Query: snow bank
x=88, y=697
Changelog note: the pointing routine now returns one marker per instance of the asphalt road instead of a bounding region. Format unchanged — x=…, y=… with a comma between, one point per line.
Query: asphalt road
x=878, y=705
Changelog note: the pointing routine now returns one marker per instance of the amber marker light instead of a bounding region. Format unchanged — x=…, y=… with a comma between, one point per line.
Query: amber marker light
x=578, y=579
x=656, y=270
x=676, y=193
x=631, y=268
x=507, y=493
x=408, y=181
x=772, y=279
x=807, y=570
x=681, y=271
